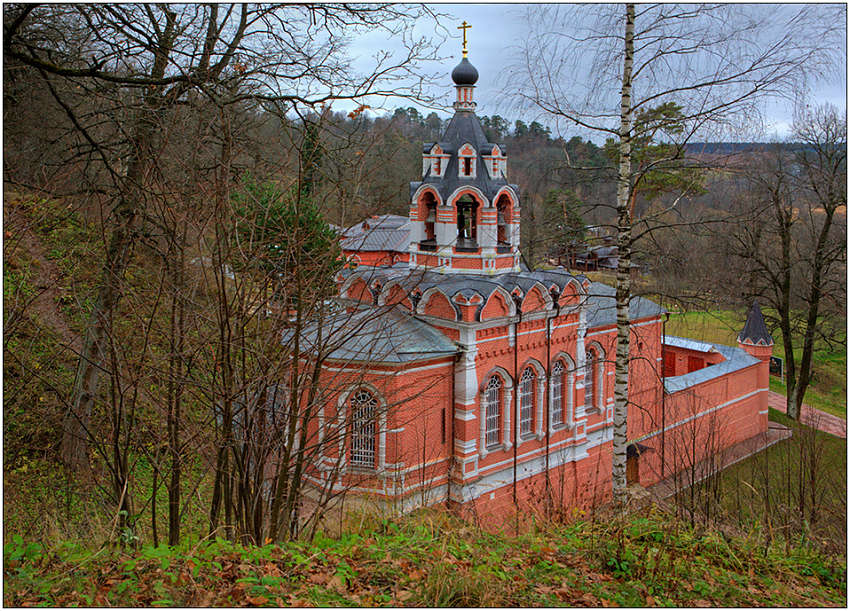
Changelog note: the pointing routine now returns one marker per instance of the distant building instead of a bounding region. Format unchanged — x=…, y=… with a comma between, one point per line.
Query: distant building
x=379, y=240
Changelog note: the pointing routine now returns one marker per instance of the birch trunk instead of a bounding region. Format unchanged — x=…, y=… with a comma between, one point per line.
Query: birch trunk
x=624, y=239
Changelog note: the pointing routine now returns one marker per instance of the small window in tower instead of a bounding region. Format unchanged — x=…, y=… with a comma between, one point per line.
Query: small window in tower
x=437, y=166
x=495, y=167
x=467, y=166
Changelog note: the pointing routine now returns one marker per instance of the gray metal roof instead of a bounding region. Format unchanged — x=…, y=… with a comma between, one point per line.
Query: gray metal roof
x=688, y=344
x=385, y=232
x=735, y=359
x=602, y=306
x=375, y=335
x=452, y=284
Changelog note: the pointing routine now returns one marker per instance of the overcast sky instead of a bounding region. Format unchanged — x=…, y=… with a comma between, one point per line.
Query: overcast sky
x=496, y=32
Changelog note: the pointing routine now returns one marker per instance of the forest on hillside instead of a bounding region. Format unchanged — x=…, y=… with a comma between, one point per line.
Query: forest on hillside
x=169, y=211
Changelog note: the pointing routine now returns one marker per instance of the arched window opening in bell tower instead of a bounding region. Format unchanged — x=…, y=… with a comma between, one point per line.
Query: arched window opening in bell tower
x=467, y=166
x=430, y=204
x=503, y=207
x=467, y=223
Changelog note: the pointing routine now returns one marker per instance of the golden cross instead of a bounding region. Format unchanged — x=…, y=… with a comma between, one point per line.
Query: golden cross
x=464, y=27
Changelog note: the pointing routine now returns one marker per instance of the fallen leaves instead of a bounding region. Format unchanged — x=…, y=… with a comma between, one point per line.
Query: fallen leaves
x=401, y=568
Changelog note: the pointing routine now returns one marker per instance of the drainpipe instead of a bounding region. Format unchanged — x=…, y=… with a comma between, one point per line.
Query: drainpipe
x=663, y=392
x=548, y=390
x=518, y=303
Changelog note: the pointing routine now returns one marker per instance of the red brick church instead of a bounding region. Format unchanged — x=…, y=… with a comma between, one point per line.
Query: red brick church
x=461, y=377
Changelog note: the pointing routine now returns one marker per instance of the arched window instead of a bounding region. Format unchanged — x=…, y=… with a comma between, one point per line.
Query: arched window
x=591, y=379
x=364, y=413
x=467, y=222
x=557, y=390
x=430, y=215
x=503, y=208
x=492, y=411
x=526, y=402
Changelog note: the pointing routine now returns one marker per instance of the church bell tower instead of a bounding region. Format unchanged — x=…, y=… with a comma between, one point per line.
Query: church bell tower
x=464, y=214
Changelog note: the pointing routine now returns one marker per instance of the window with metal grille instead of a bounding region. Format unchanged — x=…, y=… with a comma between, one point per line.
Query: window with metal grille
x=492, y=407
x=526, y=402
x=591, y=366
x=363, y=413
x=557, y=390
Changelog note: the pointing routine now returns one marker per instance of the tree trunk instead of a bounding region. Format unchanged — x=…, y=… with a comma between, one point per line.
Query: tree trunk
x=624, y=238
x=130, y=203
x=805, y=372
x=175, y=386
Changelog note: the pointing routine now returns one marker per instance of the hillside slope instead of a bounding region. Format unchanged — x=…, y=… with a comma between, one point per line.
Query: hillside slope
x=431, y=559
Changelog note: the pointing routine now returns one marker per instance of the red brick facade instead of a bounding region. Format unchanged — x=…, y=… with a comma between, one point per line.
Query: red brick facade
x=518, y=409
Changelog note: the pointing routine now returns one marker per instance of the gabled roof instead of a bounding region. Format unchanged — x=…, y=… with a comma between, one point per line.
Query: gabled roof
x=487, y=149
x=445, y=146
x=755, y=331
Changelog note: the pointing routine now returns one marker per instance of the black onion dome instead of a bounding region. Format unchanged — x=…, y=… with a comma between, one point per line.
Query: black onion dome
x=465, y=73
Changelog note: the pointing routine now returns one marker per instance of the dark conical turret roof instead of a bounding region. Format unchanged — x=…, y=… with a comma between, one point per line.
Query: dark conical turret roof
x=755, y=331
x=464, y=127
x=465, y=73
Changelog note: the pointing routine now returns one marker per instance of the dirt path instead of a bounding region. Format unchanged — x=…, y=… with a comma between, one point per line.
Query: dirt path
x=22, y=239
x=810, y=416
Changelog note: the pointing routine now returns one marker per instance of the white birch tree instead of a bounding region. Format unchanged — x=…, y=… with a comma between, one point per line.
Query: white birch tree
x=718, y=63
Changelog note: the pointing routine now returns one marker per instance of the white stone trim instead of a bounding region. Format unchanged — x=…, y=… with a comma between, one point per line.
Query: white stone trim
x=465, y=447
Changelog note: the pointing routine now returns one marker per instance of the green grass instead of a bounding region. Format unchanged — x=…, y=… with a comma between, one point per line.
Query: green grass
x=432, y=559
x=828, y=389
x=793, y=490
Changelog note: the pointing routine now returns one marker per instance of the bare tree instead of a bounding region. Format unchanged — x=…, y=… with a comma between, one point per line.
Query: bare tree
x=596, y=67
x=140, y=61
x=793, y=244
